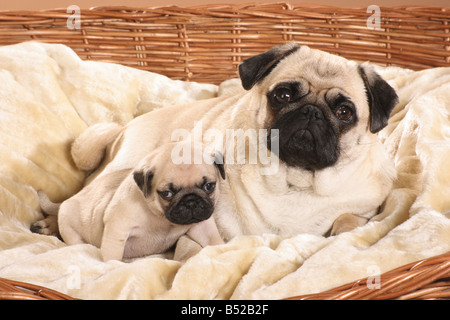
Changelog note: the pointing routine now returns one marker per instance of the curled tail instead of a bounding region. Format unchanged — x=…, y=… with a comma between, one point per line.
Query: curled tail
x=49, y=207
x=89, y=148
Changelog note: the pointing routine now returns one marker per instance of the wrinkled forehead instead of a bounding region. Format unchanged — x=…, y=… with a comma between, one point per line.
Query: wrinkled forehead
x=187, y=175
x=320, y=69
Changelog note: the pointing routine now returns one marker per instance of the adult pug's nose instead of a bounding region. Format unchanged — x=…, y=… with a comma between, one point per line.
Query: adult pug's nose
x=311, y=112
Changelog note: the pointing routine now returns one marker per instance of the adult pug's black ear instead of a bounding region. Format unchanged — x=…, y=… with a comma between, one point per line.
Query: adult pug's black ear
x=143, y=180
x=381, y=96
x=256, y=68
x=219, y=163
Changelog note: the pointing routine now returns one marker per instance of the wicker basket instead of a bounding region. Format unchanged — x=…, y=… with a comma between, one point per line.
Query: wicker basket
x=207, y=43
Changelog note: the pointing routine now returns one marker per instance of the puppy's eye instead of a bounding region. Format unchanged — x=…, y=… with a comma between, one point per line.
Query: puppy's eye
x=209, y=187
x=166, y=195
x=344, y=113
x=283, y=95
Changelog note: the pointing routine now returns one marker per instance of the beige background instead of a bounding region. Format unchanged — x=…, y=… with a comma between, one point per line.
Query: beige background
x=49, y=4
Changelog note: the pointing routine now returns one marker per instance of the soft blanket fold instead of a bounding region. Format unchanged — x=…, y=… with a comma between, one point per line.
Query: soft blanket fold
x=48, y=96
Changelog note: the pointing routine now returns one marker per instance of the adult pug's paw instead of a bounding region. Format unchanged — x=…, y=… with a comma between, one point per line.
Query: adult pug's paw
x=346, y=222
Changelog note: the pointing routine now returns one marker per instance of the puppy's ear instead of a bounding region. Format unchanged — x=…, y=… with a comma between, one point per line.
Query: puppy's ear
x=381, y=96
x=143, y=180
x=218, y=162
x=256, y=68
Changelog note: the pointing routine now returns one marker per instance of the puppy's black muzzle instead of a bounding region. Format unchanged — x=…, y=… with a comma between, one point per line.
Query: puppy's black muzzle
x=191, y=208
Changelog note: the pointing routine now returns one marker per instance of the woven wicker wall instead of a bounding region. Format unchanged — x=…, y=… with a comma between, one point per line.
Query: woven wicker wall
x=206, y=44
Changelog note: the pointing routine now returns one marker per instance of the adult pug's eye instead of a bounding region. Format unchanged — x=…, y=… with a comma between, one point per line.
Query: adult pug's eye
x=344, y=113
x=166, y=195
x=283, y=95
x=209, y=187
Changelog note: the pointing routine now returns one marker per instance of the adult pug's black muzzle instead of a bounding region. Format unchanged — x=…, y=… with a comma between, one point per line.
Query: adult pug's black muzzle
x=307, y=138
x=191, y=208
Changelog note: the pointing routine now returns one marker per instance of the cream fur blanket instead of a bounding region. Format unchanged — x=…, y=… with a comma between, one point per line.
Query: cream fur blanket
x=48, y=96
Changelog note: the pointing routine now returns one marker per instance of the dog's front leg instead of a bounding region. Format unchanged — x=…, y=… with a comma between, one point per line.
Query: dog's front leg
x=198, y=236
x=205, y=233
x=113, y=241
x=185, y=248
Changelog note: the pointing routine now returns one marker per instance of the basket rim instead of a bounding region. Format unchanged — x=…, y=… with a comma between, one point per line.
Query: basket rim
x=237, y=6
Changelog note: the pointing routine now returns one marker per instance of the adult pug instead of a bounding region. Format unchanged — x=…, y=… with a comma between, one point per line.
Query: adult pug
x=327, y=111
x=139, y=211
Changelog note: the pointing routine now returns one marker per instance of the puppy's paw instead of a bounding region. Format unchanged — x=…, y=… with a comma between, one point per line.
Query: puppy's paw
x=47, y=226
x=186, y=248
x=346, y=222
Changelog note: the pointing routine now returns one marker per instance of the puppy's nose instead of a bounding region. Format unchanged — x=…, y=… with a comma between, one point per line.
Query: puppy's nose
x=190, y=204
x=311, y=112
x=191, y=201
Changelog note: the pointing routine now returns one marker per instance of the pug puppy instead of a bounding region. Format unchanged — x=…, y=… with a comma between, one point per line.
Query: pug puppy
x=317, y=116
x=143, y=210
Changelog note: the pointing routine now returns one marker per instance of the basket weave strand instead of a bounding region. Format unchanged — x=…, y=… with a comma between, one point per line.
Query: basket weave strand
x=16, y=290
x=207, y=43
